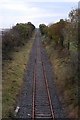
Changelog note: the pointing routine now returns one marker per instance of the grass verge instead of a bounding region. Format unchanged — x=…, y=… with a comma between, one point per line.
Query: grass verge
x=13, y=72
x=65, y=78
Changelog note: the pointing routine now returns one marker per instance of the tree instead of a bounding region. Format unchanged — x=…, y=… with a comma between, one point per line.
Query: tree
x=55, y=32
x=43, y=29
x=17, y=36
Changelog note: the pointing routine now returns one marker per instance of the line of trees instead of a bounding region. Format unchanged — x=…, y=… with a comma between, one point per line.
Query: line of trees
x=63, y=38
x=65, y=32
x=65, y=35
x=15, y=37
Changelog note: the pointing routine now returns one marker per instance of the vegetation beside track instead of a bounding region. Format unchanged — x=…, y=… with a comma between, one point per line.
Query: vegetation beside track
x=65, y=79
x=15, y=37
x=14, y=65
x=61, y=42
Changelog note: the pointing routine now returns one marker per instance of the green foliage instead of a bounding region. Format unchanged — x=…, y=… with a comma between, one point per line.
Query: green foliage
x=72, y=29
x=15, y=37
x=12, y=75
x=64, y=33
x=43, y=29
x=54, y=31
x=62, y=43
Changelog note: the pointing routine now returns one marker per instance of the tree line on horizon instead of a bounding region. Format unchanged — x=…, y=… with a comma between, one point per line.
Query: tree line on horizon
x=65, y=32
x=15, y=37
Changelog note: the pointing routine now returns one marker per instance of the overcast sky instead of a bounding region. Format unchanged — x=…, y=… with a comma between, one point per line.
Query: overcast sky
x=35, y=11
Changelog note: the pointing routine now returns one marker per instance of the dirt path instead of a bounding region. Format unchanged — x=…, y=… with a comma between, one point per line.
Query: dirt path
x=39, y=98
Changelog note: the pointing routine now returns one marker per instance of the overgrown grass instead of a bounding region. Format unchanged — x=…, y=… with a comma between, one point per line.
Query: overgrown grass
x=65, y=78
x=13, y=72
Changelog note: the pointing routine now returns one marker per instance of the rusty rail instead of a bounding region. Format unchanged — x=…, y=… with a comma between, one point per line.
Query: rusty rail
x=34, y=89
x=47, y=88
x=48, y=92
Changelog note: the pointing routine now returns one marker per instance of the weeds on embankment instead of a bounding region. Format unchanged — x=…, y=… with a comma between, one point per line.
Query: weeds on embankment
x=13, y=73
x=65, y=79
x=61, y=40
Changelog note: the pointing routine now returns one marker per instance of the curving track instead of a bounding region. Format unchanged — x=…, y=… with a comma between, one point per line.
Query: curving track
x=39, y=98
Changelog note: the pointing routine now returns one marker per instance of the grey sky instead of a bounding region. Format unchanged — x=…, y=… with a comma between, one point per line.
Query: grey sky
x=23, y=11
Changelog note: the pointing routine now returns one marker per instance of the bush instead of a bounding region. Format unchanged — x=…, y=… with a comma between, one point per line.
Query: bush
x=15, y=37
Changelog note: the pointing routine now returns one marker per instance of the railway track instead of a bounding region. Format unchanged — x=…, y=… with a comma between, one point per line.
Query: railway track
x=48, y=108
x=38, y=98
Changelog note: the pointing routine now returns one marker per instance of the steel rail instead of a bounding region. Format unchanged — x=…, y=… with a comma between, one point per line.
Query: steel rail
x=34, y=89
x=48, y=92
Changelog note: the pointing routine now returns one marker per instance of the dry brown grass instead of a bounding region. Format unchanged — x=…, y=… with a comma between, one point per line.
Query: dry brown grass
x=13, y=73
x=65, y=78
